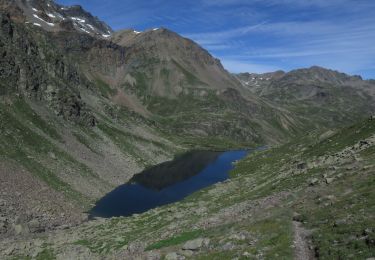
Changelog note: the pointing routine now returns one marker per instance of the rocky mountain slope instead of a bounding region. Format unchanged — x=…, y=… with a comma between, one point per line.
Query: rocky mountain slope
x=82, y=109
x=173, y=81
x=51, y=136
x=178, y=61
x=321, y=96
x=54, y=17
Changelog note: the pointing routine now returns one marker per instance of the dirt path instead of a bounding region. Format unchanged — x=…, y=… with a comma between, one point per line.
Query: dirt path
x=301, y=246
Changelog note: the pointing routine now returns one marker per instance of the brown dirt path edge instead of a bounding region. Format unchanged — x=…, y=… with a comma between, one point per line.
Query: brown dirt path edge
x=302, y=250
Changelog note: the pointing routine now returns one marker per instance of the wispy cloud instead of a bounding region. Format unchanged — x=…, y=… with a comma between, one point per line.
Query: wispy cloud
x=321, y=30
x=219, y=36
x=259, y=35
x=348, y=45
x=237, y=66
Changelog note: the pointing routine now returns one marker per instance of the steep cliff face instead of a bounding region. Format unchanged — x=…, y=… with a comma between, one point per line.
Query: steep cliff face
x=33, y=68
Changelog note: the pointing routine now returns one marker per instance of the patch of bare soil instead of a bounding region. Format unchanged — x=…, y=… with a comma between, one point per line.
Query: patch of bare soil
x=302, y=249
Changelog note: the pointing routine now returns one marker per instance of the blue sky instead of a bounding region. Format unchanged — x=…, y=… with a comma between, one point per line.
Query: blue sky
x=259, y=35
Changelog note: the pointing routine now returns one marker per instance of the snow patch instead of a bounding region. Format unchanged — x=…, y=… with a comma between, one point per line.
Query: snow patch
x=136, y=32
x=91, y=27
x=155, y=29
x=51, y=15
x=50, y=24
x=78, y=19
x=37, y=24
x=106, y=35
x=84, y=30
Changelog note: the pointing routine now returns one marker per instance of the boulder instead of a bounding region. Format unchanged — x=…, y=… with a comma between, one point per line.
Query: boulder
x=368, y=231
x=238, y=237
x=52, y=155
x=193, y=244
x=298, y=217
x=172, y=256
x=36, y=250
x=153, y=256
x=247, y=254
x=34, y=226
x=19, y=229
x=2, y=227
x=301, y=166
x=326, y=135
x=187, y=253
x=339, y=222
x=9, y=250
x=228, y=246
x=206, y=242
x=313, y=182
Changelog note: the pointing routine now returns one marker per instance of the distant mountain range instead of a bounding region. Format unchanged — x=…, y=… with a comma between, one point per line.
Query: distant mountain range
x=318, y=95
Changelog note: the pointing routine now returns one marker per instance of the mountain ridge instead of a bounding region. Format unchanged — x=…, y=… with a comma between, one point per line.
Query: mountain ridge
x=322, y=89
x=54, y=17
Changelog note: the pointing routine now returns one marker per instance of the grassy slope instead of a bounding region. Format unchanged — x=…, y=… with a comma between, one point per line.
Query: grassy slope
x=37, y=143
x=338, y=213
x=26, y=139
x=267, y=191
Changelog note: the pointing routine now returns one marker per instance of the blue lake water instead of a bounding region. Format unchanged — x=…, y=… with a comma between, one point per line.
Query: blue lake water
x=167, y=183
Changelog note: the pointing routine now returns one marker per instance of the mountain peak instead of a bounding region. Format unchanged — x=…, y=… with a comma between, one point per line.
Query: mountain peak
x=172, y=58
x=76, y=7
x=53, y=17
x=320, y=74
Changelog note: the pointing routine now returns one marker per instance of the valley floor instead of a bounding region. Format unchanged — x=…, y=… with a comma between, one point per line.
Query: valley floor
x=312, y=198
